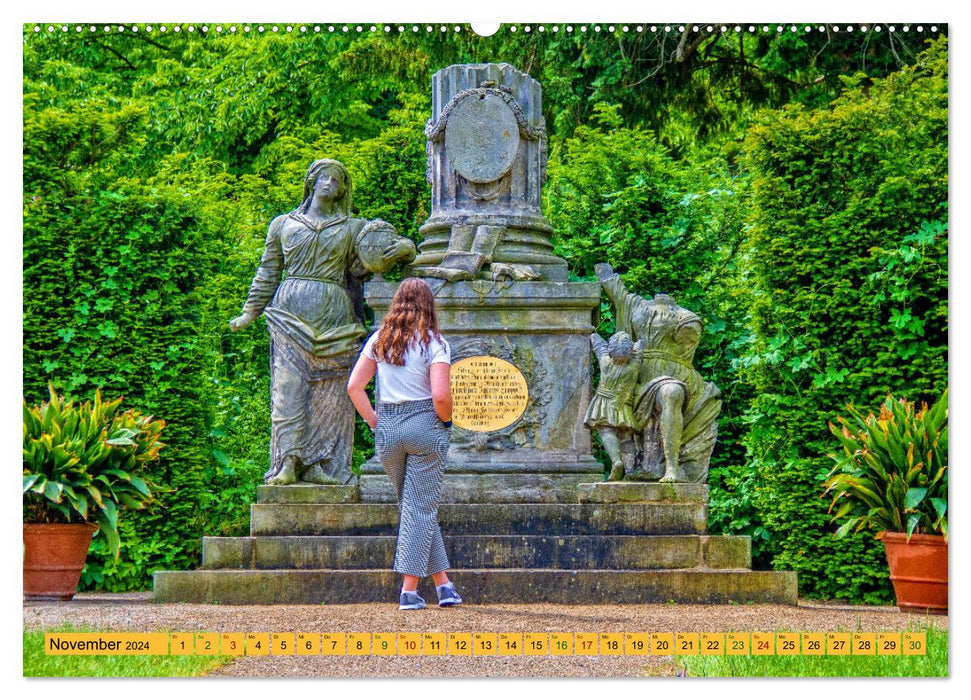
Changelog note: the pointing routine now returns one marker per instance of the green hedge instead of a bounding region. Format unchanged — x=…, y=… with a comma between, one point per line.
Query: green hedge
x=136, y=255
x=112, y=269
x=849, y=259
x=153, y=164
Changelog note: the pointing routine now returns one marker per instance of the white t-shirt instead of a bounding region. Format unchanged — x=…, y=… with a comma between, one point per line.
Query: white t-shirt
x=412, y=380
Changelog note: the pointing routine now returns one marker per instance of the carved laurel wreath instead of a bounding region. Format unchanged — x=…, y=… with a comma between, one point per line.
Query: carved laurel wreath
x=435, y=131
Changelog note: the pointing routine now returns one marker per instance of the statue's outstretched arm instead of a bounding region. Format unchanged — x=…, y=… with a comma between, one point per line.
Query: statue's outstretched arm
x=265, y=281
x=611, y=283
x=622, y=300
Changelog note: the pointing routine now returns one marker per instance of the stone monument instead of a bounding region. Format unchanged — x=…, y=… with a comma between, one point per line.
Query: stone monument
x=486, y=145
x=673, y=411
x=525, y=514
x=503, y=296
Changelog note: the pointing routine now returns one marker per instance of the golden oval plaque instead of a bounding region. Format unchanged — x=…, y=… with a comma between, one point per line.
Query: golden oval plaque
x=487, y=393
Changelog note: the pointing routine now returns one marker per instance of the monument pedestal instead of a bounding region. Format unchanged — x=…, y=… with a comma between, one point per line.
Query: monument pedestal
x=615, y=543
x=543, y=330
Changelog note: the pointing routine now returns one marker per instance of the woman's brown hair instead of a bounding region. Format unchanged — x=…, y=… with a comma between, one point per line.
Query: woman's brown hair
x=412, y=309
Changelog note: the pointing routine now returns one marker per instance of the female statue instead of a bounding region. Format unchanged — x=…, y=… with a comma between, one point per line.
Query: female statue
x=314, y=256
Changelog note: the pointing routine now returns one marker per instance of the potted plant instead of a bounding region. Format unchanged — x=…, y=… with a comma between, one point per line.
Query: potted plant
x=892, y=478
x=82, y=464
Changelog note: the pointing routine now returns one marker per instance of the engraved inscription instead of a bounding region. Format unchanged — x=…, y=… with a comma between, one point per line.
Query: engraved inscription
x=488, y=394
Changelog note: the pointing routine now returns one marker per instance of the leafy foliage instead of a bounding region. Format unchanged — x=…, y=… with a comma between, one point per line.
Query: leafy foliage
x=153, y=162
x=849, y=295
x=85, y=462
x=893, y=472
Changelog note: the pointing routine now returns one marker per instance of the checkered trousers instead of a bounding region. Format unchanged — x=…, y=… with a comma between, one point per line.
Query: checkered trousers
x=412, y=444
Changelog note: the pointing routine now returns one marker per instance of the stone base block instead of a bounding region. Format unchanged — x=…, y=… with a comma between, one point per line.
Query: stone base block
x=572, y=552
x=478, y=586
x=486, y=488
x=308, y=493
x=641, y=492
x=543, y=329
x=492, y=518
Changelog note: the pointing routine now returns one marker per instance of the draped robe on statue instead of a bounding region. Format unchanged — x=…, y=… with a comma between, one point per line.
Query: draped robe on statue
x=315, y=337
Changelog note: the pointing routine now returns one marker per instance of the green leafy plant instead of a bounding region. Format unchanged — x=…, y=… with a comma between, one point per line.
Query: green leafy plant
x=892, y=475
x=848, y=301
x=84, y=462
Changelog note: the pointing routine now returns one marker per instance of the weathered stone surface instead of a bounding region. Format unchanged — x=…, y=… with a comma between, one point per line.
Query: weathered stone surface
x=486, y=145
x=305, y=493
x=483, y=552
x=485, y=488
x=491, y=518
x=482, y=138
x=726, y=552
x=534, y=308
x=533, y=326
x=478, y=586
x=228, y=552
x=634, y=492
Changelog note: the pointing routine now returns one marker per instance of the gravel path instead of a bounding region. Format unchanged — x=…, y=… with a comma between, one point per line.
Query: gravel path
x=136, y=612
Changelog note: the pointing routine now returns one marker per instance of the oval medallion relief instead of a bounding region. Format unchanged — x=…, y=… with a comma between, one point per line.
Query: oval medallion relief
x=482, y=138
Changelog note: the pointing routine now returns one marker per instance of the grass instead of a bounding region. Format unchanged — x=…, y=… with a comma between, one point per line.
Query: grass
x=934, y=664
x=38, y=664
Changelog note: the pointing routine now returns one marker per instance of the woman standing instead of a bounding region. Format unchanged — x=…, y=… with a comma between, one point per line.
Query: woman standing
x=411, y=430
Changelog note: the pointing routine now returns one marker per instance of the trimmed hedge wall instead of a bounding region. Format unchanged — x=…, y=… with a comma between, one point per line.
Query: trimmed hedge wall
x=848, y=250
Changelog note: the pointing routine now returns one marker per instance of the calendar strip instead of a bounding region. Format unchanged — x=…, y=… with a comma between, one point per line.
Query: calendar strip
x=813, y=643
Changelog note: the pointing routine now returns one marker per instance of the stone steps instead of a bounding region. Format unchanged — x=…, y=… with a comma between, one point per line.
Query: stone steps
x=486, y=488
x=555, y=519
x=571, y=552
x=478, y=586
x=577, y=543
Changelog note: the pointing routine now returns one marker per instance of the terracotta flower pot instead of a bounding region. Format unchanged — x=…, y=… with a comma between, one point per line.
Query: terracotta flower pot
x=54, y=555
x=918, y=569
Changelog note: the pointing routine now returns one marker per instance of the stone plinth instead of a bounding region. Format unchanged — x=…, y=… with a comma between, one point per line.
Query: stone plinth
x=543, y=329
x=641, y=492
x=318, y=544
x=574, y=552
x=485, y=519
x=479, y=586
x=486, y=488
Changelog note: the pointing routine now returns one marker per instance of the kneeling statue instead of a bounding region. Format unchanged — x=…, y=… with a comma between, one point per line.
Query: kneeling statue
x=675, y=410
